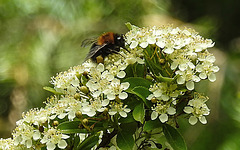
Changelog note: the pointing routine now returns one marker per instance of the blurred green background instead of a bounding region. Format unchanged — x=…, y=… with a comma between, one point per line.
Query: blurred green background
x=41, y=38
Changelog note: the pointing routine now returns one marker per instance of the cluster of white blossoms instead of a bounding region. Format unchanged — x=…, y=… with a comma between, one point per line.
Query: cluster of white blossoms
x=184, y=53
x=184, y=50
x=164, y=96
x=93, y=90
x=100, y=85
x=7, y=144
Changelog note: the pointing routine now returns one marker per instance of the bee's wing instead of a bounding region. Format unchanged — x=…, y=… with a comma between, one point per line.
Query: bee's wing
x=94, y=49
x=88, y=42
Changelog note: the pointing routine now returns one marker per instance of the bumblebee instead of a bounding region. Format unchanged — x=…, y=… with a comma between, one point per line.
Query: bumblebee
x=107, y=43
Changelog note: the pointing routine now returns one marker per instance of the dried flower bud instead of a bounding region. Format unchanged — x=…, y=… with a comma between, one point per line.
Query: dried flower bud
x=99, y=59
x=41, y=128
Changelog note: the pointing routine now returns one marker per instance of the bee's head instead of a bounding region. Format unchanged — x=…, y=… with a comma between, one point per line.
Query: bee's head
x=119, y=40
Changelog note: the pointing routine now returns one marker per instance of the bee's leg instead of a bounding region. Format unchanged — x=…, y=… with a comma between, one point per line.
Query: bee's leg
x=126, y=49
x=114, y=51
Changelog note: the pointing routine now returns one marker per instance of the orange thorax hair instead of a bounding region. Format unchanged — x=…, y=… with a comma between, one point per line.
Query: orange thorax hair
x=106, y=38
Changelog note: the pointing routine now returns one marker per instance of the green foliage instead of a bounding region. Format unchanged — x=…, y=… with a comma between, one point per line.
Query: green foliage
x=174, y=137
x=137, y=82
x=70, y=127
x=125, y=136
x=89, y=142
x=52, y=90
x=139, y=113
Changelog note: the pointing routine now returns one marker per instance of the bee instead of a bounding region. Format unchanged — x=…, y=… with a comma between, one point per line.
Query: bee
x=105, y=44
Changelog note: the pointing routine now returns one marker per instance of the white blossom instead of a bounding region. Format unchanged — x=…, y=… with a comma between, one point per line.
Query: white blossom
x=198, y=109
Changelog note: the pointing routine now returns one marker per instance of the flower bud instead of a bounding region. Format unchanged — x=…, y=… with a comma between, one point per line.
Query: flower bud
x=55, y=123
x=154, y=100
x=78, y=114
x=161, y=61
x=77, y=96
x=84, y=89
x=85, y=121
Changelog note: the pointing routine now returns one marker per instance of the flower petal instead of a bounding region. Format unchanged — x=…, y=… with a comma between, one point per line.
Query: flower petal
x=190, y=85
x=62, y=144
x=192, y=120
x=163, y=118
x=154, y=115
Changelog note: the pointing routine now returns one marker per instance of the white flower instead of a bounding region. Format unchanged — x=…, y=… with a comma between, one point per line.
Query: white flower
x=163, y=92
x=116, y=89
x=119, y=108
x=198, y=109
x=162, y=110
x=53, y=137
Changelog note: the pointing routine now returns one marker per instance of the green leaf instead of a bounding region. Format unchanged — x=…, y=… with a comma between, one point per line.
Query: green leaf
x=125, y=140
x=76, y=141
x=152, y=124
x=89, y=142
x=52, y=90
x=71, y=127
x=155, y=69
x=128, y=119
x=137, y=81
x=139, y=70
x=165, y=79
x=83, y=80
x=143, y=93
x=130, y=26
x=174, y=138
x=139, y=112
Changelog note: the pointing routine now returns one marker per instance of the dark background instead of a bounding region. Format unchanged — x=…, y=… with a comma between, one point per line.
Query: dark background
x=41, y=38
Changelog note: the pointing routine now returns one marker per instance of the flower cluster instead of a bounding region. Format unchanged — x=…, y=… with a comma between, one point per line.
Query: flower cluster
x=184, y=50
x=159, y=72
x=184, y=57
x=164, y=96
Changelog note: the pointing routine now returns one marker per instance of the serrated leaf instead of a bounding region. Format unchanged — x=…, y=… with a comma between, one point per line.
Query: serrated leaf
x=139, y=113
x=137, y=81
x=143, y=93
x=52, y=90
x=125, y=140
x=174, y=138
x=89, y=142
